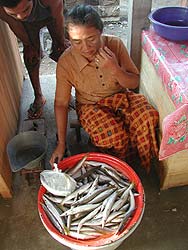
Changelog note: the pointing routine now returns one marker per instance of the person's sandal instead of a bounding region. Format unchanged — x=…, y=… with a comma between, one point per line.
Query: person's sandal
x=35, y=111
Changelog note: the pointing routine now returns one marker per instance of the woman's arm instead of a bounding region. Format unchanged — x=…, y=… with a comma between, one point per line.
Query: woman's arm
x=61, y=105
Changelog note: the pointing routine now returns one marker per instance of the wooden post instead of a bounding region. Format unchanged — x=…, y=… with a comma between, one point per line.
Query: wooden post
x=138, y=11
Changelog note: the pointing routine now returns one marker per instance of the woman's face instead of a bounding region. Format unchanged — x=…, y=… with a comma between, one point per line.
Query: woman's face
x=86, y=40
x=21, y=11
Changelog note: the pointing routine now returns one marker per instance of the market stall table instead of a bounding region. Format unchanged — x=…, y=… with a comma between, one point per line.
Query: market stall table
x=164, y=81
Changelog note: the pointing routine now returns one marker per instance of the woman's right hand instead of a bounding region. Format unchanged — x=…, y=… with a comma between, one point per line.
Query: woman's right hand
x=57, y=154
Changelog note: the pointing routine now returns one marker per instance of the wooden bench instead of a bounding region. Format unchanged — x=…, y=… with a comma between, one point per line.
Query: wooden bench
x=74, y=123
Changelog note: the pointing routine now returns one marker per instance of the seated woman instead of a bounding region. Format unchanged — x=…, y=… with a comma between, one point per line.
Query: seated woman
x=99, y=68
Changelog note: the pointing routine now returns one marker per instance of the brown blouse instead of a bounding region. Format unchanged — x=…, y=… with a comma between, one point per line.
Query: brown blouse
x=90, y=82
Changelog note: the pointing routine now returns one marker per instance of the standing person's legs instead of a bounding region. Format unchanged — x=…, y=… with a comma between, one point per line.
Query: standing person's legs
x=32, y=59
x=28, y=34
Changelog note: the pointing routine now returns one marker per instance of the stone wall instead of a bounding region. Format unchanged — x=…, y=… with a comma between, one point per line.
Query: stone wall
x=109, y=10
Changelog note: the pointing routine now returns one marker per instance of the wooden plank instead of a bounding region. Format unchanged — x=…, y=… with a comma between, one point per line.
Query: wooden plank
x=5, y=176
x=13, y=69
x=138, y=11
x=178, y=180
x=5, y=191
x=11, y=80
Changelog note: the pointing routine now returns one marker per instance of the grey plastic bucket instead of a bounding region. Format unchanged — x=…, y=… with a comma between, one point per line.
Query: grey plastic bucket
x=26, y=150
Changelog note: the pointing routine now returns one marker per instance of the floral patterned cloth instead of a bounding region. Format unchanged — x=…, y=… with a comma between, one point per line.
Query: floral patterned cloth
x=170, y=60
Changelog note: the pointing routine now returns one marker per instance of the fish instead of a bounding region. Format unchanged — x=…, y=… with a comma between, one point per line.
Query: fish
x=90, y=196
x=78, y=166
x=115, y=177
x=87, y=173
x=123, y=199
x=111, y=216
x=114, y=172
x=78, y=191
x=52, y=218
x=104, y=177
x=128, y=213
x=82, y=208
x=53, y=198
x=102, y=201
x=69, y=220
x=83, y=236
x=108, y=207
x=101, y=230
x=79, y=216
x=88, y=217
x=94, y=185
x=102, y=195
x=56, y=213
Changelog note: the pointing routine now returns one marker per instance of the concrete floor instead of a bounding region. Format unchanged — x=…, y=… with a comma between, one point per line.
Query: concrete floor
x=165, y=220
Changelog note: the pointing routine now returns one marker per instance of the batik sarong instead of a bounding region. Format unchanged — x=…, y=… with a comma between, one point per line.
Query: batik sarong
x=122, y=123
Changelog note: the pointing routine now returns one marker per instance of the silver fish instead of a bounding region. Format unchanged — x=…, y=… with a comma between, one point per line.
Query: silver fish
x=83, y=229
x=128, y=213
x=116, y=178
x=52, y=218
x=103, y=205
x=85, y=199
x=102, y=195
x=88, y=217
x=56, y=213
x=79, y=191
x=87, y=174
x=78, y=166
x=101, y=230
x=94, y=185
x=115, y=172
x=108, y=207
x=127, y=190
x=82, y=236
x=111, y=216
x=53, y=198
x=79, y=209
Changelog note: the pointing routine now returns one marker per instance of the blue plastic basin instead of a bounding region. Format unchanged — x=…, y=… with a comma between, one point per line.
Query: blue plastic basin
x=170, y=22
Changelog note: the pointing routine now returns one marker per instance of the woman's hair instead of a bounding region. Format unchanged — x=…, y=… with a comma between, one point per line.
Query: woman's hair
x=9, y=3
x=85, y=15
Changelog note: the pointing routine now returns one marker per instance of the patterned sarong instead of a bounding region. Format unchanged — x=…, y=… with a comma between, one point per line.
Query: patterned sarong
x=123, y=123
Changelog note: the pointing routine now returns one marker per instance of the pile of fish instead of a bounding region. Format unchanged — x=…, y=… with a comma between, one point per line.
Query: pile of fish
x=102, y=200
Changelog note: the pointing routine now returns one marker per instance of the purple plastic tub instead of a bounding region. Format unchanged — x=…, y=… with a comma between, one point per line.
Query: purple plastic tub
x=170, y=22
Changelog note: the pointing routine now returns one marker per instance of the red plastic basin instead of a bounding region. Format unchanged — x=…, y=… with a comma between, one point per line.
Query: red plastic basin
x=100, y=241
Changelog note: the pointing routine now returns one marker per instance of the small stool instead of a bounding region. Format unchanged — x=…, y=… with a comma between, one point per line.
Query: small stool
x=75, y=123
